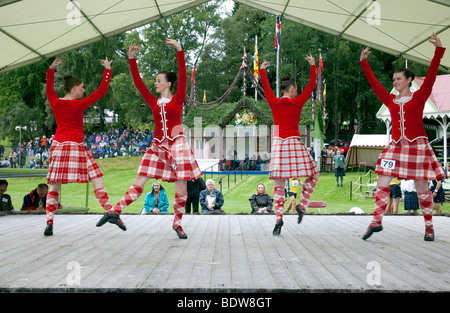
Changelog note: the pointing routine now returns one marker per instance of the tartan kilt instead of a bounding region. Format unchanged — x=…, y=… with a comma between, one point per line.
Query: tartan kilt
x=413, y=160
x=170, y=161
x=290, y=159
x=71, y=162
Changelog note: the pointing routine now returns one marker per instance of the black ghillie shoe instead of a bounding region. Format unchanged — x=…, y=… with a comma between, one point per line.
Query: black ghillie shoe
x=112, y=218
x=429, y=234
x=300, y=214
x=181, y=234
x=277, y=229
x=372, y=229
x=48, y=230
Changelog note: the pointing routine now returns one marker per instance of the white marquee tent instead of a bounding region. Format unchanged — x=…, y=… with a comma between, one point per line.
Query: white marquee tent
x=365, y=148
x=31, y=30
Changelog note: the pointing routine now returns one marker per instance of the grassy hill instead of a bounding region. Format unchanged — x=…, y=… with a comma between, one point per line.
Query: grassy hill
x=119, y=174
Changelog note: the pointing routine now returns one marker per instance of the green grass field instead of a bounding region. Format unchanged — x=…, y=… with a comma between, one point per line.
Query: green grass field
x=119, y=174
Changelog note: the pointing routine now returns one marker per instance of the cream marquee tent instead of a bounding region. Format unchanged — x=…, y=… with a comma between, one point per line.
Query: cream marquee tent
x=365, y=148
x=31, y=30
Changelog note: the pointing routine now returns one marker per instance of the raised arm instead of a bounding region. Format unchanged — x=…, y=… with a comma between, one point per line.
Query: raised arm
x=142, y=88
x=182, y=74
x=306, y=93
x=425, y=90
x=51, y=94
x=102, y=89
x=270, y=96
x=379, y=90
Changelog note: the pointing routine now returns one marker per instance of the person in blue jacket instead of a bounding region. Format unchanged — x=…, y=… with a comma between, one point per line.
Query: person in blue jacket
x=156, y=201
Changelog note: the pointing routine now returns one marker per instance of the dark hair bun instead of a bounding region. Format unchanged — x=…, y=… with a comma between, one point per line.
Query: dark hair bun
x=285, y=78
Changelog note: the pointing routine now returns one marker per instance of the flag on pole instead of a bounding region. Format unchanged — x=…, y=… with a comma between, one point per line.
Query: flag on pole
x=277, y=33
x=321, y=62
x=193, y=73
x=244, y=59
x=255, y=60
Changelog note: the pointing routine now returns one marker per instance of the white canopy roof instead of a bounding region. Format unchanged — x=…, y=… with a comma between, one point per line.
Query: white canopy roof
x=31, y=30
x=369, y=141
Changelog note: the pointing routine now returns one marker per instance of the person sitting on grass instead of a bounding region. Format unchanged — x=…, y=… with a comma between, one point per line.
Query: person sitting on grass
x=36, y=199
x=156, y=201
x=211, y=199
x=261, y=201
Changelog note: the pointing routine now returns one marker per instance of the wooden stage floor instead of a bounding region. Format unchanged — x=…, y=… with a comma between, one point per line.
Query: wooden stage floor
x=226, y=253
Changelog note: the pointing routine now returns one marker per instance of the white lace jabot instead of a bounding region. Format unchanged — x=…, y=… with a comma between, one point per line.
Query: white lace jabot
x=163, y=101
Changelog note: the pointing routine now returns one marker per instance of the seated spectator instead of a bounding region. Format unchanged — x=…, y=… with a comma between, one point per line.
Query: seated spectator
x=36, y=199
x=32, y=163
x=156, y=201
x=4, y=163
x=211, y=199
x=5, y=199
x=261, y=201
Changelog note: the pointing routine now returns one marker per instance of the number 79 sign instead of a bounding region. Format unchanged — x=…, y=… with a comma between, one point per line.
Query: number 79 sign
x=388, y=164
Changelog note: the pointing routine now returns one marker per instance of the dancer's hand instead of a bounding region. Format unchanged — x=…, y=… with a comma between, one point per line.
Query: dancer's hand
x=132, y=50
x=106, y=63
x=435, y=40
x=365, y=54
x=56, y=63
x=310, y=59
x=173, y=43
x=264, y=65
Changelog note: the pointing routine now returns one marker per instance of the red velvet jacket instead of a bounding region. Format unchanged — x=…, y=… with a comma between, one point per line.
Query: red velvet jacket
x=407, y=118
x=69, y=113
x=286, y=111
x=166, y=112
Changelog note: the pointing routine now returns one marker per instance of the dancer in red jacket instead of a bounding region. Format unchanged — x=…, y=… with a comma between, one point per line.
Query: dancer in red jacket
x=70, y=161
x=289, y=157
x=409, y=155
x=169, y=158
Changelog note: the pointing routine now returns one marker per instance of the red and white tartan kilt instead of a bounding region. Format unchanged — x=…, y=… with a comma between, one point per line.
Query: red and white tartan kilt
x=413, y=160
x=170, y=161
x=290, y=159
x=71, y=162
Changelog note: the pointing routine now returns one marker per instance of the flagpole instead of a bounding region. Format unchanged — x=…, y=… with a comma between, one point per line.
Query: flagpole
x=278, y=76
x=256, y=64
x=277, y=48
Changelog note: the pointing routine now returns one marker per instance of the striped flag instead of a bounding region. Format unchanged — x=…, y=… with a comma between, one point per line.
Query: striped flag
x=244, y=59
x=277, y=33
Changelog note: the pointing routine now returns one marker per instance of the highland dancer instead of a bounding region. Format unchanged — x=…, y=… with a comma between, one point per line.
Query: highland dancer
x=289, y=157
x=70, y=161
x=169, y=158
x=409, y=155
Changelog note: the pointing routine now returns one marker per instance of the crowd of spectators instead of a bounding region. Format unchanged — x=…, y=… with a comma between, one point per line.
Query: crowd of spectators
x=124, y=141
